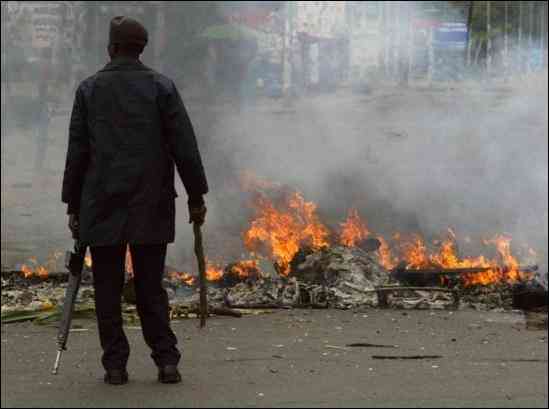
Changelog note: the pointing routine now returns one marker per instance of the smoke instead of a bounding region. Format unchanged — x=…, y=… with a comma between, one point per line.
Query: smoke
x=471, y=159
x=470, y=155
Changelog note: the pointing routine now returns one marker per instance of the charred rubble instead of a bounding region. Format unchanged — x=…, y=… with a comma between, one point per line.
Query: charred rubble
x=337, y=277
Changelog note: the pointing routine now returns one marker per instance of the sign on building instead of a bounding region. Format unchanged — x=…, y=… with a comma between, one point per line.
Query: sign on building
x=452, y=36
x=46, y=22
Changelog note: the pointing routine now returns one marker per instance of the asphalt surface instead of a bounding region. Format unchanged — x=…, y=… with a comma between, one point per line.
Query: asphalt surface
x=296, y=359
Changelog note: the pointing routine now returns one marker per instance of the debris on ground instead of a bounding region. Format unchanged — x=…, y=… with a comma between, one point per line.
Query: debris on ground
x=337, y=277
x=409, y=357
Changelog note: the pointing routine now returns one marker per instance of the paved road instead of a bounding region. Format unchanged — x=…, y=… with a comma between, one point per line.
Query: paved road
x=291, y=359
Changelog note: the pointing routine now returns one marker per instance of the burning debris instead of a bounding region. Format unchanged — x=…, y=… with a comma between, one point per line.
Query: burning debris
x=296, y=261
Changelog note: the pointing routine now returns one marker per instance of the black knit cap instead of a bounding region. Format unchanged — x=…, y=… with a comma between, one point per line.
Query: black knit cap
x=126, y=30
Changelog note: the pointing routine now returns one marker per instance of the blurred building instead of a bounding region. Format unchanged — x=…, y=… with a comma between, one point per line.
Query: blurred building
x=69, y=36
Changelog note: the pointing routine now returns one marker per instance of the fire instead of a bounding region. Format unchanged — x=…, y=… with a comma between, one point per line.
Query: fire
x=35, y=269
x=213, y=272
x=42, y=272
x=88, y=261
x=386, y=258
x=27, y=271
x=129, y=263
x=280, y=228
x=281, y=233
x=183, y=277
x=353, y=230
x=415, y=252
x=506, y=269
x=245, y=268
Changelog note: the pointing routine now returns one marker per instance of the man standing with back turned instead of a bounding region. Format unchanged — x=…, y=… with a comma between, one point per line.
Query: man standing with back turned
x=128, y=129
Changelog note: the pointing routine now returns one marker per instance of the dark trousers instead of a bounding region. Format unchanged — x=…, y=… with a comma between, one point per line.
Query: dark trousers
x=152, y=303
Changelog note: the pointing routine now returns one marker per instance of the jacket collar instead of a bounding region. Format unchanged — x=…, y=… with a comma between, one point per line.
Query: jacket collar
x=124, y=64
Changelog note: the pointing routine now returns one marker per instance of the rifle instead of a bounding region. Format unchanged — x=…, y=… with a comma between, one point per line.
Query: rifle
x=74, y=261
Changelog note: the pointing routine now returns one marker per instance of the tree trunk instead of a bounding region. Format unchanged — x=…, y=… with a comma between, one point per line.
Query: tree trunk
x=479, y=49
x=404, y=54
x=398, y=39
x=531, y=35
x=506, y=39
x=6, y=92
x=287, y=51
x=520, y=28
x=411, y=36
x=488, y=37
x=542, y=16
x=544, y=33
x=431, y=67
x=387, y=35
x=470, y=32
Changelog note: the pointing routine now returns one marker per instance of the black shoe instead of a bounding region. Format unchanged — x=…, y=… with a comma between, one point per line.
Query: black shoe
x=169, y=374
x=116, y=377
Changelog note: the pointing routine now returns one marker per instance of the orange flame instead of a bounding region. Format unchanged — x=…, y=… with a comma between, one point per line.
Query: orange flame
x=183, y=277
x=27, y=271
x=415, y=252
x=213, y=272
x=42, y=272
x=245, y=268
x=507, y=269
x=281, y=233
x=386, y=258
x=35, y=269
x=353, y=230
x=88, y=261
x=129, y=263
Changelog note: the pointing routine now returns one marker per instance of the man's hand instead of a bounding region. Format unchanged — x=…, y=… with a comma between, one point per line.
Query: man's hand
x=74, y=226
x=197, y=215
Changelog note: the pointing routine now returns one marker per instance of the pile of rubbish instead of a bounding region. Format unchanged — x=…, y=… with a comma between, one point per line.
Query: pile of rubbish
x=338, y=277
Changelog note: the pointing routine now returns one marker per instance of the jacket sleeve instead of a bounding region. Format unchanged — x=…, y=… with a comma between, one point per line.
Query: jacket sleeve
x=78, y=155
x=182, y=144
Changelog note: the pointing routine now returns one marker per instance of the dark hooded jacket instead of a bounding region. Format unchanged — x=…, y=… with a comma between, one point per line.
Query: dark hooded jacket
x=129, y=130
